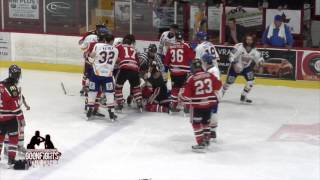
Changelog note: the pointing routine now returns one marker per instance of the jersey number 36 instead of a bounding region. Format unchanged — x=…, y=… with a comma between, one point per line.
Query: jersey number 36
x=203, y=86
x=176, y=55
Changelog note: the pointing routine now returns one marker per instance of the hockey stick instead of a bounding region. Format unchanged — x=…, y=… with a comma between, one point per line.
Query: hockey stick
x=65, y=90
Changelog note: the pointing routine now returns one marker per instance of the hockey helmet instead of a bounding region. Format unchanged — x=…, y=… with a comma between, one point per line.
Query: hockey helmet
x=152, y=48
x=202, y=36
x=196, y=66
x=14, y=73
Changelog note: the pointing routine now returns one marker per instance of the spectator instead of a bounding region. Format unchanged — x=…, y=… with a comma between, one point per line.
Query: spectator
x=277, y=34
x=234, y=32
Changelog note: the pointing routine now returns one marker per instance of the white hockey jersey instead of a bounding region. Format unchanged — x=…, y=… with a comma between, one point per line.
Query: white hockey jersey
x=165, y=41
x=215, y=71
x=84, y=45
x=206, y=47
x=104, y=57
x=242, y=59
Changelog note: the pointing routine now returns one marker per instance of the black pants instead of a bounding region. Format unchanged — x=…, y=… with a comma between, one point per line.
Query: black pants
x=202, y=116
x=132, y=76
x=7, y=127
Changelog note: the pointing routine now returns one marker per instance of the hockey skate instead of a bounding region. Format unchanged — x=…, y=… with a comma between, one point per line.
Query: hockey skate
x=11, y=162
x=244, y=99
x=129, y=100
x=213, y=136
x=82, y=92
x=119, y=108
x=140, y=105
x=199, y=148
x=89, y=113
x=112, y=116
x=97, y=114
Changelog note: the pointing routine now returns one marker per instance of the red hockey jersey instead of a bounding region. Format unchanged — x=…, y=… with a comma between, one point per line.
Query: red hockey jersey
x=9, y=102
x=200, y=90
x=178, y=58
x=127, y=58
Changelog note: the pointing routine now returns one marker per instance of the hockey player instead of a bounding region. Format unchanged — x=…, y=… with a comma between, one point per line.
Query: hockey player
x=207, y=52
x=11, y=117
x=145, y=60
x=103, y=58
x=155, y=90
x=21, y=147
x=200, y=92
x=210, y=65
x=206, y=47
x=128, y=63
x=84, y=43
x=241, y=60
x=167, y=38
x=178, y=60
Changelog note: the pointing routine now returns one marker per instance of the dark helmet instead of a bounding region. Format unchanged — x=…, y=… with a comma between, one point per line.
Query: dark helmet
x=129, y=39
x=179, y=35
x=196, y=65
x=102, y=33
x=14, y=73
x=202, y=36
x=98, y=26
x=152, y=48
x=108, y=37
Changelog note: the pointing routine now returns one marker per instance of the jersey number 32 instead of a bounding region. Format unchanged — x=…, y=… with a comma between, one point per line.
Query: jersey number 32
x=106, y=56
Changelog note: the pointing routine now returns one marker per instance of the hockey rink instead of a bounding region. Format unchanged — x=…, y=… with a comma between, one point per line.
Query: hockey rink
x=275, y=138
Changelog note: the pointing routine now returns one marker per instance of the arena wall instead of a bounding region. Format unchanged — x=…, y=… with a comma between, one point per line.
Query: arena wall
x=61, y=53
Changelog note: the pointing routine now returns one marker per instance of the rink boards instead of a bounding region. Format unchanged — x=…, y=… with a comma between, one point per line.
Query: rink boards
x=79, y=69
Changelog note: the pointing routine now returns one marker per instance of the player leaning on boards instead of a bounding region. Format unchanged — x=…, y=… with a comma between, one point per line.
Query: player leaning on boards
x=11, y=117
x=200, y=93
x=242, y=60
x=103, y=58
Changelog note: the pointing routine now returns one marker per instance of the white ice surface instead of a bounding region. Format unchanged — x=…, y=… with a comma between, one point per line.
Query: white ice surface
x=157, y=146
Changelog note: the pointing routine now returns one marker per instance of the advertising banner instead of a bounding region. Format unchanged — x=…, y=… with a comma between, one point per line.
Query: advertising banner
x=24, y=9
x=5, y=46
x=60, y=11
x=309, y=65
x=214, y=14
x=251, y=18
x=292, y=18
x=278, y=64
